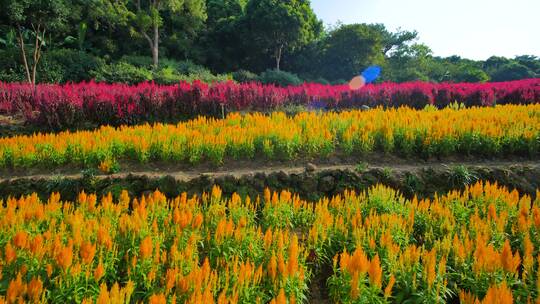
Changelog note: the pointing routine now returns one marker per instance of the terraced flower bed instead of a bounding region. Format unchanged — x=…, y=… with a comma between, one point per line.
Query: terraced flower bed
x=480, y=244
x=485, y=132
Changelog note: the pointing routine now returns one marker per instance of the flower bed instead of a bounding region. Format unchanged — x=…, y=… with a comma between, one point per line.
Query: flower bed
x=477, y=245
x=479, y=131
x=74, y=105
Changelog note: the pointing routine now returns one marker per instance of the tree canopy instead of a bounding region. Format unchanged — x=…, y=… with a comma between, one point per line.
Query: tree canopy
x=170, y=40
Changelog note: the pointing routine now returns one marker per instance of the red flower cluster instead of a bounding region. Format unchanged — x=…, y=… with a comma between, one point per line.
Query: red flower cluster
x=69, y=105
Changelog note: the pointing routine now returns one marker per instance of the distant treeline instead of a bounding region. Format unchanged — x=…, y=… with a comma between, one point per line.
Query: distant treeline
x=214, y=40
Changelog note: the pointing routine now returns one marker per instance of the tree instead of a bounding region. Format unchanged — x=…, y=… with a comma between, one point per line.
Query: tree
x=349, y=48
x=393, y=40
x=512, y=71
x=147, y=17
x=414, y=62
x=531, y=62
x=278, y=26
x=224, y=38
x=33, y=19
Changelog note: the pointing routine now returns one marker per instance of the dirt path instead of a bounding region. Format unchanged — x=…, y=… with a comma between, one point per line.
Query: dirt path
x=247, y=168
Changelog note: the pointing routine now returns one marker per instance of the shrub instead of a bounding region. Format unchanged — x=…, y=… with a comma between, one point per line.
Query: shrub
x=56, y=66
x=321, y=80
x=121, y=72
x=137, y=60
x=167, y=75
x=10, y=68
x=280, y=78
x=204, y=76
x=72, y=64
x=245, y=76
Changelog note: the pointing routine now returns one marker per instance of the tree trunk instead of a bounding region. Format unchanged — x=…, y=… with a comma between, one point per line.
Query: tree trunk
x=155, y=46
x=23, y=53
x=153, y=41
x=40, y=35
x=278, y=54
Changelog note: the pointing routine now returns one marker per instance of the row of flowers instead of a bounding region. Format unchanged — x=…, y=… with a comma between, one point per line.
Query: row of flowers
x=489, y=132
x=476, y=246
x=77, y=105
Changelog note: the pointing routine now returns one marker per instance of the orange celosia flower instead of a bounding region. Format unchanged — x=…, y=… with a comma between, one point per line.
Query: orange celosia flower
x=500, y=295
x=49, y=268
x=65, y=257
x=467, y=298
x=430, y=261
x=197, y=221
x=36, y=246
x=103, y=238
x=9, y=253
x=99, y=272
x=20, y=239
x=170, y=278
x=145, y=249
x=87, y=252
x=282, y=269
x=292, y=265
x=103, y=297
x=157, y=299
x=375, y=271
x=281, y=298
x=272, y=267
x=509, y=262
x=35, y=289
x=389, y=286
x=16, y=289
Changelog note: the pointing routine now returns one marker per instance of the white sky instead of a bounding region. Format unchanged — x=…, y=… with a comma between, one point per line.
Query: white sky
x=474, y=29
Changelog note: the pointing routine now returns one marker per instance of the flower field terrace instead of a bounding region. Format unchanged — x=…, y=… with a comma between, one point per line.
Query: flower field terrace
x=480, y=245
x=485, y=132
x=75, y=105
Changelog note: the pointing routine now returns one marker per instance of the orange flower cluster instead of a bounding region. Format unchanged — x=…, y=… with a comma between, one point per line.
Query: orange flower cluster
x=502, y=130
x=462, y=243
x=151, y=249
x=479, y=245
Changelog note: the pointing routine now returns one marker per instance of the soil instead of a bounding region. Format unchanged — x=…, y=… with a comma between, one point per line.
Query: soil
x=237, y=169
x=311, y=182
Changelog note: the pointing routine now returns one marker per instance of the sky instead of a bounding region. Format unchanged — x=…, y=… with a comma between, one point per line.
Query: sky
x=474, y=29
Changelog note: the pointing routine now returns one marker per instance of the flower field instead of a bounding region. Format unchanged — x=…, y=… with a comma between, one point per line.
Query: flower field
x=74, y=105
x=480, y=245
x=477, y=244
x=484, y=132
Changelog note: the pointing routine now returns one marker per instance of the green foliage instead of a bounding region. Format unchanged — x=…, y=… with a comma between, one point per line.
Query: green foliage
x=73, y=64
x=280, y=78
x=135, y=69
x=11, y=69
x=471, y=74
x=460, y=176
x=387, y=173
x=512, y=71
x=279, y=26
x=138, y=61
x=51, y=15
x=456, y=106
x=430, y=108
x=32, y=20
x=121, y=72
x=57, y=66
x=223, y=35
x=245, y=76
x=362, y=167
x=348, y=49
